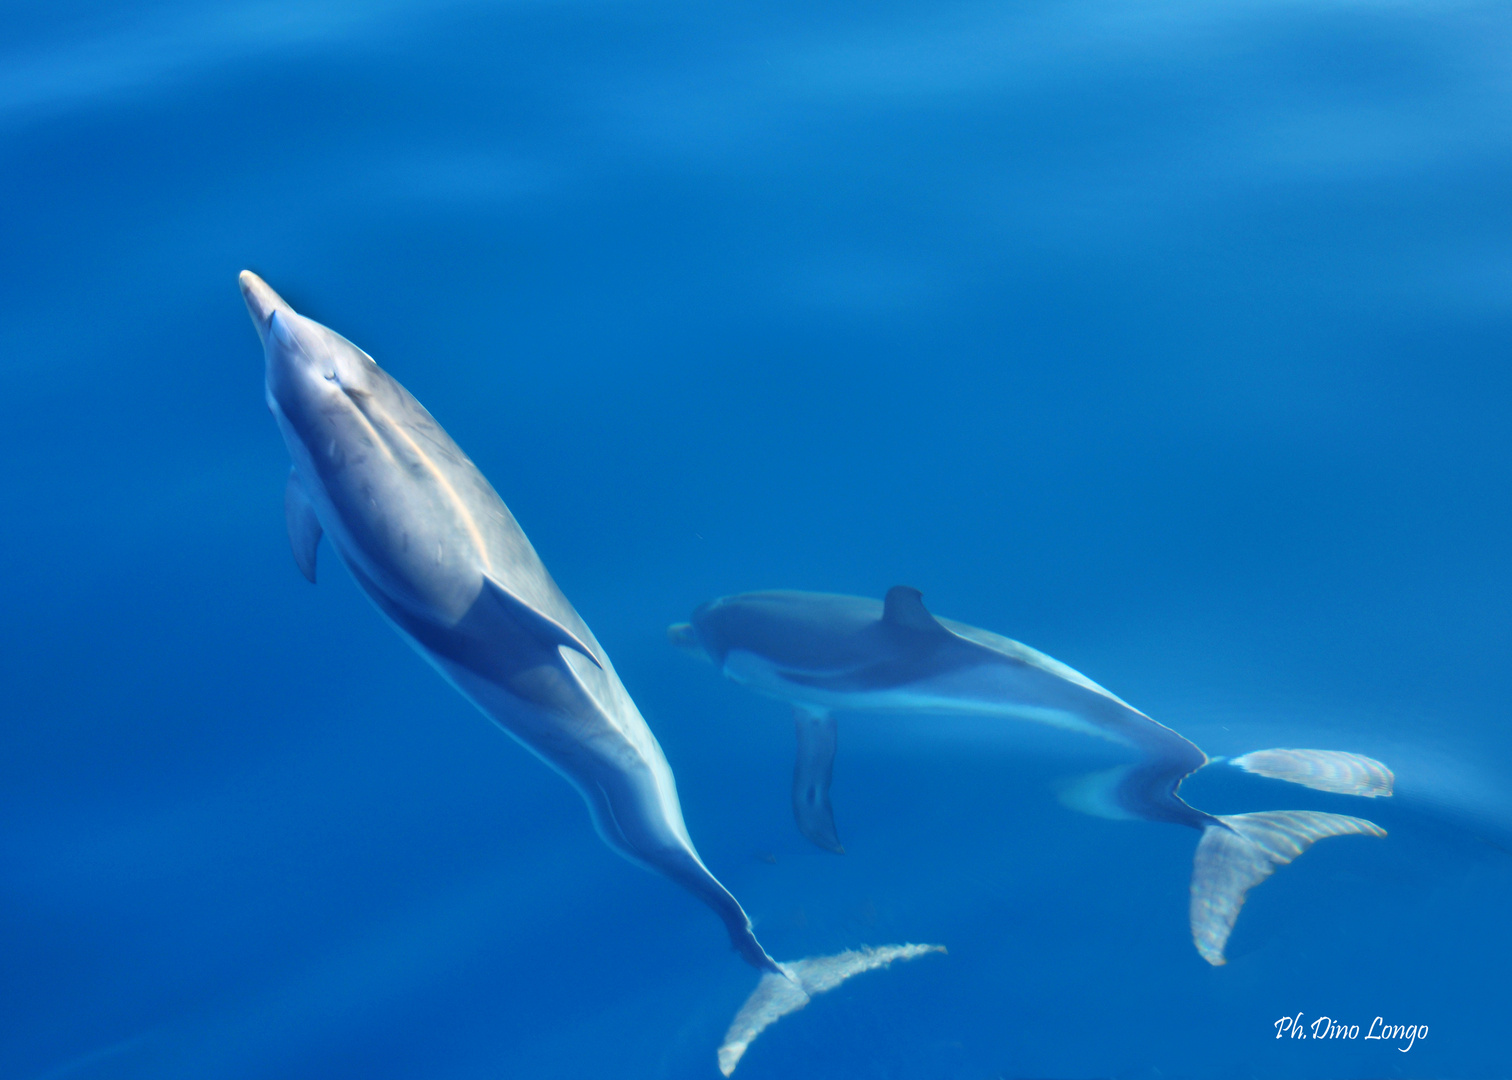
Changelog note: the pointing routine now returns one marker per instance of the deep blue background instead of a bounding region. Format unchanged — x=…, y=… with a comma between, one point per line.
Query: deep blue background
x=1171, y=338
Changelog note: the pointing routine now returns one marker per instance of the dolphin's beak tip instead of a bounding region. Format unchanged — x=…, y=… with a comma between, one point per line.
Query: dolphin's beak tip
x=253, y=288
x=261, y=300
x=683, y=636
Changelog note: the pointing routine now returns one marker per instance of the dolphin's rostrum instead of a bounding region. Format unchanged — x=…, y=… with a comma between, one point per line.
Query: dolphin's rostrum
x=436, y=550
x=825, y=653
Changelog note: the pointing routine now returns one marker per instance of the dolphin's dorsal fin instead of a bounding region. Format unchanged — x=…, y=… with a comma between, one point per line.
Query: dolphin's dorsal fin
x=904, y=607
x=541, y=627
x=304, y=526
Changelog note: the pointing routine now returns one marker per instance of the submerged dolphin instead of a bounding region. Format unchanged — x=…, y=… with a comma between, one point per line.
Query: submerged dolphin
x=436, y=550
x=825, y=653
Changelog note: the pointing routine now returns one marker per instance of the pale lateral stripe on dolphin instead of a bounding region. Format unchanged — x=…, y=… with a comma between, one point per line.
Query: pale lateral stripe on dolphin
x=435, y=549
x=824, y=653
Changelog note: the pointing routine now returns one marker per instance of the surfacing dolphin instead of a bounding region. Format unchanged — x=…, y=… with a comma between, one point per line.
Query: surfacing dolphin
x=825, y=653
x=436, y=550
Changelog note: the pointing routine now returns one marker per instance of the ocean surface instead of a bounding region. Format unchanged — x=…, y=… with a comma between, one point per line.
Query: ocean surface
x=1171, y=338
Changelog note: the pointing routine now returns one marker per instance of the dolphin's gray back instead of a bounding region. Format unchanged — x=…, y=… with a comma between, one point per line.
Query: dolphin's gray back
x=506, y=555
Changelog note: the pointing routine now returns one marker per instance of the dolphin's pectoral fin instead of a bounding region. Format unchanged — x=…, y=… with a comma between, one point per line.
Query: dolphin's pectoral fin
x=1322, y=770
x=542, y=628
x=1243, y=851
x=811, y=777
x=304, y=526
x=777, y=995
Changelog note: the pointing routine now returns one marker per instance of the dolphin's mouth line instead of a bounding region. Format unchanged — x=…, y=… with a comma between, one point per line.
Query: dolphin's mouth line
x=807, y=676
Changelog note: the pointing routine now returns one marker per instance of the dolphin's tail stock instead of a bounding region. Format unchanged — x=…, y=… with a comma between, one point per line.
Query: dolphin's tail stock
x=1146, y=789
x=1239, y=851
x=776, y=995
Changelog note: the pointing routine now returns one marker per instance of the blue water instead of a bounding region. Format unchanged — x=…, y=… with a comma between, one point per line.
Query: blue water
x=1170, y=338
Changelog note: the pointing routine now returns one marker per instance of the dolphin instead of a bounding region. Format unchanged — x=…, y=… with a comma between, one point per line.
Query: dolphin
x=824, y=653
x=439, y=554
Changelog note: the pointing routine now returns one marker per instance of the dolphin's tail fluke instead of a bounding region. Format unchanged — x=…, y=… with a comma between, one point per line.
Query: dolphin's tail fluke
x=776, y=995
x=1322, y=770
x=1242, y=850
